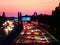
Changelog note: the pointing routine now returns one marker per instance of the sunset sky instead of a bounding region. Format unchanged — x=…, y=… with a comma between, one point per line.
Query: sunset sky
x=11, y=7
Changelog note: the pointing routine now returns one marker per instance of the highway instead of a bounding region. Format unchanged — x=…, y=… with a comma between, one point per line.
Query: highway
x=32, y=34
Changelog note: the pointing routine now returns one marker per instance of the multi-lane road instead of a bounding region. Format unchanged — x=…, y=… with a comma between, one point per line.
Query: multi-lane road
x=34, y=35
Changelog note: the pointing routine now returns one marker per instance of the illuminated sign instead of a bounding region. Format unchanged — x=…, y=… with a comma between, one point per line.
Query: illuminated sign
x=26, y=18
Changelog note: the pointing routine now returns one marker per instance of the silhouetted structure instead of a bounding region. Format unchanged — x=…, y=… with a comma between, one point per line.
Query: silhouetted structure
x=2, y=18
x=35, y=13
x=56, y=20
x=20, y=26
x=56, y=15
x=1, y=21
x=35, y=16
x=3, y=15
x=19, y=17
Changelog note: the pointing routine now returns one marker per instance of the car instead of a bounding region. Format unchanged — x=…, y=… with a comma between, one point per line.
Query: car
x=42, y=36
x=22, y=33
x=32, y=38
x=32, y=34
x=44, y=41
x=32, y=31
x=28, y=33
x=22, y=40
x=36, y=33
x=43, y=44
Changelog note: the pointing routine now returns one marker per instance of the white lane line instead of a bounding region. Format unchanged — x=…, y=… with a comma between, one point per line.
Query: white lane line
x=50, y=35
x=17, y=41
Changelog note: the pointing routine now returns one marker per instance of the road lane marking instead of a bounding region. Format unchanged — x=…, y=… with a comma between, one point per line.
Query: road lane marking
x=50, y=34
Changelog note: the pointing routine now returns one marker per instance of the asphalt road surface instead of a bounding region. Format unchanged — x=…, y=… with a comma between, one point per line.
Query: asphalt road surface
x=34, y=35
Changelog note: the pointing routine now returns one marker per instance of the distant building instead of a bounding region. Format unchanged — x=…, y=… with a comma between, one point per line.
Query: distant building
x=36, y=16
x=59, y=6
x=19, y=17
x=56, y=13
x=35, y=13
x=56, y=19
x=3, y=15
x=2, y=18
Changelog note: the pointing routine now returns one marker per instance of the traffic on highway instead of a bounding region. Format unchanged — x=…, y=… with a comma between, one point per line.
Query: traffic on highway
x=32, y=34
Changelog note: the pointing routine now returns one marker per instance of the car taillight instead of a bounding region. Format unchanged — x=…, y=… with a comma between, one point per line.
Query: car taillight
x=43, y=44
